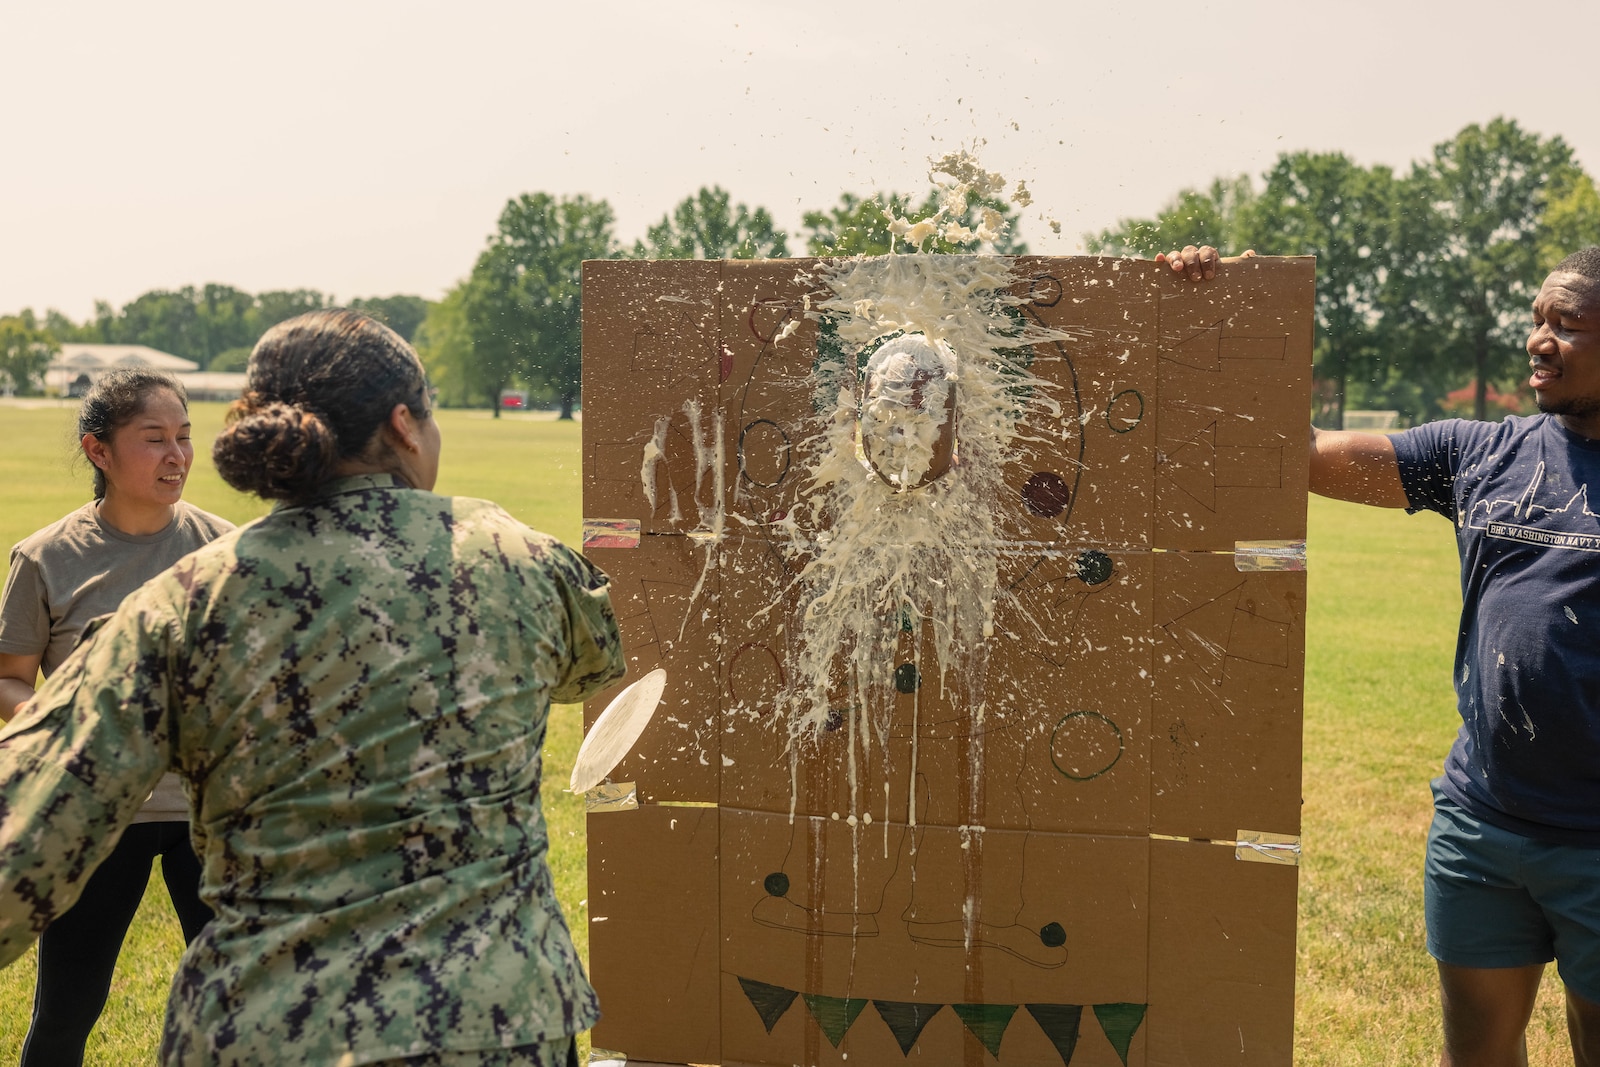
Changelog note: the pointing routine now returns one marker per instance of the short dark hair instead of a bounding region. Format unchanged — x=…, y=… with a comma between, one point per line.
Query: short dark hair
x=318, y=388
x=1585, y=261
x=116, y=399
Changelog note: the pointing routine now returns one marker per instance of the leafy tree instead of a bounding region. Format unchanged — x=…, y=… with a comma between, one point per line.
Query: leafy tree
x=522, y=300
x=444, y=342
x=1571, y=217
x=204, y=324
x=1325, y=205
x=708, y=225
x=196, y=324
x=279, y=305
x=25, y=351
x=1470, y=241
x=402, y=314
x=858, y=226
x=163, y=319
x=227, y=322
x=234, y=360
x=855, y=226
x=1209, y=216
x=64, y=329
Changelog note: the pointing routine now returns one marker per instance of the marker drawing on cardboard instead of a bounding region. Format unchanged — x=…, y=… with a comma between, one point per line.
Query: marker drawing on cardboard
x=972, y=680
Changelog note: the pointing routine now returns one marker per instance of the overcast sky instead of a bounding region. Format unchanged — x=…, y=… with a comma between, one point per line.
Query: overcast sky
x=365, y=148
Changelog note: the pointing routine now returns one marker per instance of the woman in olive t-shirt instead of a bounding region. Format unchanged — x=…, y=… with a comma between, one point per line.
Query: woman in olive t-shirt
x=134, y=427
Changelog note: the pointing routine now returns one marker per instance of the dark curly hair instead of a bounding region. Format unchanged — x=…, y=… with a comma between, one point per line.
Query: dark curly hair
x=115, y=400
x=319, y=387
x=1584, y=262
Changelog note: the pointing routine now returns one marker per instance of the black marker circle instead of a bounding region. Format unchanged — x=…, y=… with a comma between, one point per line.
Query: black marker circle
x=784, y=454
x=1128, y=398
x=1044, y=290
x=1085, y=745
x=907, y=678
x=1051, y=935
x=776, y=884
x=1094, y=566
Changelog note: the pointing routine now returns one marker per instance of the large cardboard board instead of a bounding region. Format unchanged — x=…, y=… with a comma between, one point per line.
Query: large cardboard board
x=1039, y=865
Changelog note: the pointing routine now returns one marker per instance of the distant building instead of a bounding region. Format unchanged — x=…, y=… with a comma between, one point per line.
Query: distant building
x=213, y=384
x=78, y=366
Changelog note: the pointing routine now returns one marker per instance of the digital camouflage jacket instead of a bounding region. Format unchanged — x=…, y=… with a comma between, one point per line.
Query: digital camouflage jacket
x=355, y=693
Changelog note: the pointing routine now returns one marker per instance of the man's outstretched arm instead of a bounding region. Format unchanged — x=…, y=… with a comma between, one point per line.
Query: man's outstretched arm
x=1358, y=467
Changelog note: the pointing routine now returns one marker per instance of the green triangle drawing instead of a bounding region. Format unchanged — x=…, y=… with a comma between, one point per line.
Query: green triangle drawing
x=987, y=1022
x=1060, y=1024
x=905, y=1021
x=1120, y=1022
x=834, y=1014
x=769, y=1001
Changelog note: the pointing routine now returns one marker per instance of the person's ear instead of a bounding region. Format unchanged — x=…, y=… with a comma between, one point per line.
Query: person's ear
x=96, y=450
x=403, y=425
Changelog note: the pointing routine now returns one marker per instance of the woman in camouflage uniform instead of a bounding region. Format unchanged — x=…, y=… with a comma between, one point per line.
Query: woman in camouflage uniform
x=354, y=690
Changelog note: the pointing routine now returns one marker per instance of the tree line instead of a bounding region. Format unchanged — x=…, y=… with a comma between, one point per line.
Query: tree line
x=1424, y=278
x=214, y=325
x=514, y=320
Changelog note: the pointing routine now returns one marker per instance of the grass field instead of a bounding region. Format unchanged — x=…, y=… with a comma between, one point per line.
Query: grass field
x=1379, y=717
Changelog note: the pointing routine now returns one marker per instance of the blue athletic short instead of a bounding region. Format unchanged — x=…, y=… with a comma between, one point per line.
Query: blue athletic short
x=1497, y=899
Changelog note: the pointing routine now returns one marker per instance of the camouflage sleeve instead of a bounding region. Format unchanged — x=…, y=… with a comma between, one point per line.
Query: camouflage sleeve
x=77, y=764
x=593, y=645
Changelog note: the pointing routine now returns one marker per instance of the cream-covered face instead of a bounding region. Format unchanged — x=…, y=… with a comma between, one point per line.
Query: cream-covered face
x=908, y=417
x=146, y=462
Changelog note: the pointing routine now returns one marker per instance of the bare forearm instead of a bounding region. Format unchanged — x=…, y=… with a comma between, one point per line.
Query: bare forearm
x=13, y=694
x=1359, y=467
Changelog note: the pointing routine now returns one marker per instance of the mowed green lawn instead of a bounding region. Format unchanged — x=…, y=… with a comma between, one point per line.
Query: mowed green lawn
x=1379, y=718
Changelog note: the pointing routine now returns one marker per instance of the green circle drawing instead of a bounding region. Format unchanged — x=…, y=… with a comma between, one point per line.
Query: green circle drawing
x=1129, y=423
x=1087, y=742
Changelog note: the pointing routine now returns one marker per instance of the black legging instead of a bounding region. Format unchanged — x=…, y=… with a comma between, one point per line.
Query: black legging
x=78, y=952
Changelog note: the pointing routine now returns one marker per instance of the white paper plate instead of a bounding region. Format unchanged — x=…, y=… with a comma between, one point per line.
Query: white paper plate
x=615, y=731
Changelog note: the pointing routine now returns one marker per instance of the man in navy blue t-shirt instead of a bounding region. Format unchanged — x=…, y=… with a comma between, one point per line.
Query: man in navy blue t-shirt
x=1513, y=868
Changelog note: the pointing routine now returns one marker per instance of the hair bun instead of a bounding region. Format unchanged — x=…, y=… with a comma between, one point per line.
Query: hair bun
x=275, y=450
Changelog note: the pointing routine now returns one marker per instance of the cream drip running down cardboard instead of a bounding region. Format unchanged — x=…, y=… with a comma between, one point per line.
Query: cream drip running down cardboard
x=901, y=545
